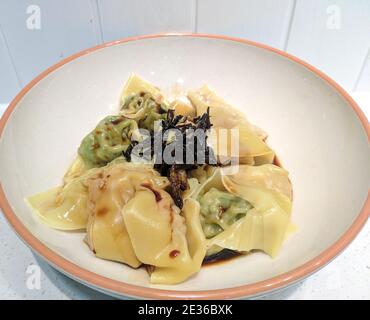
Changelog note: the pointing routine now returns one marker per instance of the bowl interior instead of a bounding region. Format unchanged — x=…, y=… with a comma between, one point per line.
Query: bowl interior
x=316, y=134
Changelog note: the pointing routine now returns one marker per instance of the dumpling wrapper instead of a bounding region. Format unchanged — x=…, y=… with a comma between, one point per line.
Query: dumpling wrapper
x=66, y=207
x=161, y=237
x=183, y=107
x=252, y=148
x=265, y=226
x=143, y=103
x=195, y=244
x=205, y=178
x=107, y=234
x=135, y=85
x=269, y=176
x=77, y=169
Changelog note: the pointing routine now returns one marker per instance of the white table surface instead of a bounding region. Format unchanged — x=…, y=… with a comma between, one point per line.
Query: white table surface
x=347, y=277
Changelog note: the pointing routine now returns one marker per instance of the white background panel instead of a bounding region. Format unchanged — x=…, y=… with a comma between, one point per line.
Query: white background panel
x=131, y=18
x=66, y=27
x=264, y=21
x=8, y=79
x=332, y=35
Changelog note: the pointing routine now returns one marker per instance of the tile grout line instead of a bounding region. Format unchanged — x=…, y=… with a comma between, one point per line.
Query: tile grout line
x=2, y=35
x=195, y=17
x=98, y=30
x=100, y=21
x=362, y=69
x=290, y=24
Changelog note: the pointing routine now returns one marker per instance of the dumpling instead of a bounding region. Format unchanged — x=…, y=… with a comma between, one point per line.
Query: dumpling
x=196, y=249
x=136, y=85
x=107, y=234
x=143, y=102
x=144, y=109
x=65, y=208
x=107, y=141
x=219, y=209
x=267, y=188
x=252, y=148
x=223, y=115
x=141, y=105
x=173, y=244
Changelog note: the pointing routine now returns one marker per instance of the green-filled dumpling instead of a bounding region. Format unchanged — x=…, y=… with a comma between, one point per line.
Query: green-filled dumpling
x=107, y=141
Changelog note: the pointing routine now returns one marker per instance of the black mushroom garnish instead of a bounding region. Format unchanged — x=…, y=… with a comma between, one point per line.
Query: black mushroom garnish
x=193, y=140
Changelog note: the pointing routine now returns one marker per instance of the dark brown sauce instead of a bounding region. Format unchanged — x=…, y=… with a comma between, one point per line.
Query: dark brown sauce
x=220, y=257
x=102, y=211
x=157, y=195
x=117, y=121
x=149, y=268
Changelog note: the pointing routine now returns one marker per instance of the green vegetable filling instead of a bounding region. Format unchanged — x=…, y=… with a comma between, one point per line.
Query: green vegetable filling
x=107, y=141
x=219, y=210
x=147, y=109
x=114, y=133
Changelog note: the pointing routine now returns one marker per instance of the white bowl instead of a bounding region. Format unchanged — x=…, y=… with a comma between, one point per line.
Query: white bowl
x=318, y=131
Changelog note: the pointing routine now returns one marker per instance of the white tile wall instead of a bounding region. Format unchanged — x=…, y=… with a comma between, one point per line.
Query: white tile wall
x=308, y=29
x=8, y=78
x=130, y=18
x=264, y=21
x=363, y=80
x=332, y=35
x=66, y=27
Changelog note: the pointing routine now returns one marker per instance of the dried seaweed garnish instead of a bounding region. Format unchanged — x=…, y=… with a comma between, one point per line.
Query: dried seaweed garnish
x=177, y=171
x=178, y=183
x=127, y=152
x=201, y=125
